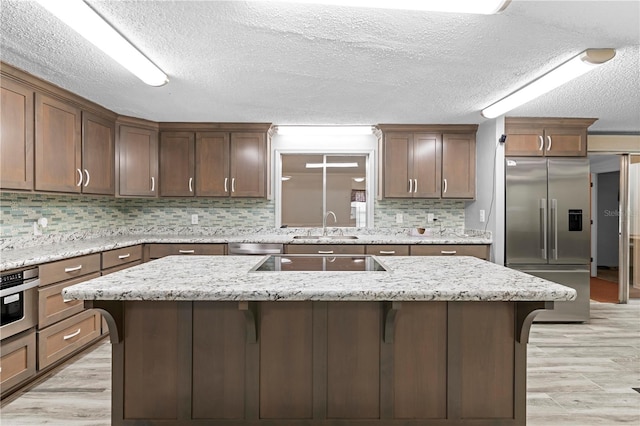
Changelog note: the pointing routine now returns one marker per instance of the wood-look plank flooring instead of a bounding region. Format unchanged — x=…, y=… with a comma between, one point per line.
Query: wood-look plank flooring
x=578, y=374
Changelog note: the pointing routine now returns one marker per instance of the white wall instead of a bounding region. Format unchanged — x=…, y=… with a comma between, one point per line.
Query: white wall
x=489, y=186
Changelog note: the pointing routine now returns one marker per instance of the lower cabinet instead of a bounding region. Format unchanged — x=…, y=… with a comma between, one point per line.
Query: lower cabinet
x=157, y=251
x=17, y=360
x=324, y=249
x=477, y=250
x=67, y=336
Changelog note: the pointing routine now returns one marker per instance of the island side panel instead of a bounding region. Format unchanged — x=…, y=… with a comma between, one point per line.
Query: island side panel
x=420, y=361
x=286, y=363
x=487, y=354
x=354, y=333
x=150, y=360
x=218, y=361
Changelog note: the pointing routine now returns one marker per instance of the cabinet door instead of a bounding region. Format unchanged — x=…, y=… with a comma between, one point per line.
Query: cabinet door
x=248, y=157
x=98, y=155
x=426, y=165
x=525, y=141
x=397, y=151
x=58, y=146
x=177, y=164
x=138, y=161
x=212, y=164
x=459, y=166
x=565, y=142
x=16, y=136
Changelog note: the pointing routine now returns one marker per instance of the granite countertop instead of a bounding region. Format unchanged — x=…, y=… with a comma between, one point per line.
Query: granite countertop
x=22, y=257
x=227, y=278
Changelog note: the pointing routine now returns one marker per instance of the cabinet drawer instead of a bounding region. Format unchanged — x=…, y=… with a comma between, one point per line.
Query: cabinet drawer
x=388, y=250
x=160, y=250
x=51, y=306
x=324, y=249
x=69, y=268
x=478, y=250
x=17, y=360
x=121, y=256
x=121, y=267
x=65, y=337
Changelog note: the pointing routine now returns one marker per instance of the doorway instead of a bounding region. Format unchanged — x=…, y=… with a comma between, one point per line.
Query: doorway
x=615, y=229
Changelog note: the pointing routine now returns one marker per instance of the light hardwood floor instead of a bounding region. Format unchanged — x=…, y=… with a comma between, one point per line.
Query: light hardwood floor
x=578, y=374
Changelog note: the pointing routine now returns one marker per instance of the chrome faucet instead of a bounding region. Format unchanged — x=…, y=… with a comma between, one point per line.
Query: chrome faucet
x=324, y=221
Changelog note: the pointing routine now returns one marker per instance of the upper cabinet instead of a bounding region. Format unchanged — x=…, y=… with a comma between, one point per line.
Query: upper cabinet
x=98, y=155
x=137, y=148
x=428, y=161
x=16, y=136
x=550, y=137
x=213, y=163
x=58, y=154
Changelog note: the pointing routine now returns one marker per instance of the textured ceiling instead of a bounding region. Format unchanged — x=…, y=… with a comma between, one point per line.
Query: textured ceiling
x=312, y=64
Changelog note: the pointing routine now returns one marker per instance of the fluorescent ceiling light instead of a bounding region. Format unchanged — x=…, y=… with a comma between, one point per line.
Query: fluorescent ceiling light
x=321, y=165
x=324, y=130
x=80, y=17
x=574, y=67
x=483, y=7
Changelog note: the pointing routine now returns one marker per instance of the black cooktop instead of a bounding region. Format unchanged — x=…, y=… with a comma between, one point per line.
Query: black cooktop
x=319, y=262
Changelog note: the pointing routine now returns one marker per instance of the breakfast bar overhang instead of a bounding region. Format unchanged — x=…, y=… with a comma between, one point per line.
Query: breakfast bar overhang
x=428, y=341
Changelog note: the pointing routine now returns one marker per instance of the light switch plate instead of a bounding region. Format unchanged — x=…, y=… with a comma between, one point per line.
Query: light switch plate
x=482, y=218
x=430, y=217
x=398, y=217
x=194, y=219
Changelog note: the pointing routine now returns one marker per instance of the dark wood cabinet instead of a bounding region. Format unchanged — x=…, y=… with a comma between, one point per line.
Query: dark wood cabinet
x=58, y=153
x=550, y=137
x=213, y=164
x=98, y=155
x=177, y=164
x=412, y=165
x=247, y=165
x=137, y=161
x=459, y=166
x=16, y=136
x=428, y=161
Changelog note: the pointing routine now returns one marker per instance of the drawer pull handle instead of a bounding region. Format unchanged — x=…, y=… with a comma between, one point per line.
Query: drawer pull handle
x=69, y=336
x=387, y=252
x=124, y=256
x=73, y=269
x=325, y=251
x=186, y=251
x=448, y=252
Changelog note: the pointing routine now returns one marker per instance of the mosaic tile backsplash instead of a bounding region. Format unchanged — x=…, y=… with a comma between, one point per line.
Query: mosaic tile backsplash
x=83, y=214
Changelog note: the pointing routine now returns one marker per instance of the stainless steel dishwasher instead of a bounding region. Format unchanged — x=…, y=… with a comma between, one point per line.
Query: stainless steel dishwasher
x=254, y=248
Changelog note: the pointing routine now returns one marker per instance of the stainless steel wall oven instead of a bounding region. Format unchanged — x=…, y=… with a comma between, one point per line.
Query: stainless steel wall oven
x=19, y=302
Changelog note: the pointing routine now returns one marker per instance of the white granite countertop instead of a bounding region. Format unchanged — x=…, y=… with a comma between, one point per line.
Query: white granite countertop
x=30, y=256
x=227, y=278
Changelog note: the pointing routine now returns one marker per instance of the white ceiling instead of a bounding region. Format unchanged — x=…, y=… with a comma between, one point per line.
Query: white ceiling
x=310, y=64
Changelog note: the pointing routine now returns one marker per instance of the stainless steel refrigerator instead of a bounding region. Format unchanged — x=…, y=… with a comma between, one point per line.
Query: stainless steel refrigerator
x=548, y=227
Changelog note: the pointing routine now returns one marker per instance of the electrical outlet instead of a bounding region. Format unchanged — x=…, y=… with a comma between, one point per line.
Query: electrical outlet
x=398, y=217
x=194, y=219
x=430, y=217
x=482, y=219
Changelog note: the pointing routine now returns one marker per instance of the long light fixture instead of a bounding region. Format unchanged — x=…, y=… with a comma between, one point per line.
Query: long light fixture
x=324, y=130
x=84, y=20
x=329, y=165
x=574, y=67
x=483, y=7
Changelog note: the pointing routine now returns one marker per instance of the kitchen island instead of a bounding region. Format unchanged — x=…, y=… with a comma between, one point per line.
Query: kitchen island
x=431, y=340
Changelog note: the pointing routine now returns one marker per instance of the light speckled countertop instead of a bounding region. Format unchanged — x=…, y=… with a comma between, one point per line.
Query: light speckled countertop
x=227, y=278
x=23, y=257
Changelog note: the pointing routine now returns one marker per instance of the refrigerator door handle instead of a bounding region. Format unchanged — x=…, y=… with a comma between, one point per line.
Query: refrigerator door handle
x=543, y=227
x=554, y=224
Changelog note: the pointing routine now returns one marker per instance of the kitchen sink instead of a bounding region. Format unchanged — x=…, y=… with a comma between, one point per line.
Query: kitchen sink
x=325, y=237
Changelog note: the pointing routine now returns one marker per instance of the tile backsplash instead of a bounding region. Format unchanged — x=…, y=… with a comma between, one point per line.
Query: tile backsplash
x=74, y=213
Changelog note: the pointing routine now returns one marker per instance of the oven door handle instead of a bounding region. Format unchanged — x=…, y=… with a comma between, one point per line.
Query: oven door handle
x=17, y=289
